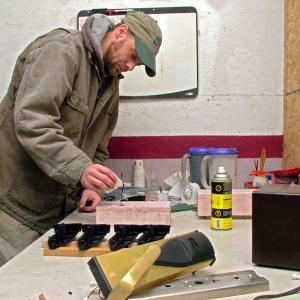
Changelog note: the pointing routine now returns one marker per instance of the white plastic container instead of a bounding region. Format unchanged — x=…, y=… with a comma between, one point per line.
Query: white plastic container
x=139, y=174
x=217, y=157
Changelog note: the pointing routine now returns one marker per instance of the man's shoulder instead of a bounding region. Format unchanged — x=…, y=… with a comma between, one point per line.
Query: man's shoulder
x=60, y=38
x=60, y=35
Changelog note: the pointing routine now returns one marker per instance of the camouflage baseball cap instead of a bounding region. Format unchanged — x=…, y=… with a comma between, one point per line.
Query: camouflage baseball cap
x=147, y=36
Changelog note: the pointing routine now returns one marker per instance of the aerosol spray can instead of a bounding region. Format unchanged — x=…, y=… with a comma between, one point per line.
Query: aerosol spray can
x=221, y=201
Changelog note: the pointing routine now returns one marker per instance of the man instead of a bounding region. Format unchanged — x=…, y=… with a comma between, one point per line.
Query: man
x=57, y=118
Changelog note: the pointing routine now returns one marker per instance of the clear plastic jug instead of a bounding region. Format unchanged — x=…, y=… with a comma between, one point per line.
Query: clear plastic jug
x=195, y=155
x=219, y=157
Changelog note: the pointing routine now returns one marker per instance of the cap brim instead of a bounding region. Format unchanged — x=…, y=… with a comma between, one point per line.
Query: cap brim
x=146, y=56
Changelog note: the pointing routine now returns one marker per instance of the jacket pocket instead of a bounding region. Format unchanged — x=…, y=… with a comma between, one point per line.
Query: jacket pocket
x=75, y=102
x=73, y=117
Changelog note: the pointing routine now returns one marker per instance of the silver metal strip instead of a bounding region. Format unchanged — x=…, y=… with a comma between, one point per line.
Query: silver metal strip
x=210, y=287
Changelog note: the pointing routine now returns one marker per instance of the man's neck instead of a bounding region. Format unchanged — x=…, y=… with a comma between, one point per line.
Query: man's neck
x=105, y=44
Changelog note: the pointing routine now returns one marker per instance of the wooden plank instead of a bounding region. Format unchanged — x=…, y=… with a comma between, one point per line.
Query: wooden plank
x=292, y=45
x=291, y=135
x=72, y=249
x=292, y=132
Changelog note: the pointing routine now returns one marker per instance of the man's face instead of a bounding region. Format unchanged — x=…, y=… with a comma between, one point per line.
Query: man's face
x=121, y=55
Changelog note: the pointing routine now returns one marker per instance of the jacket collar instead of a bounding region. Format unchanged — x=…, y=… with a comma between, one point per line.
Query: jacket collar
x=93, y=31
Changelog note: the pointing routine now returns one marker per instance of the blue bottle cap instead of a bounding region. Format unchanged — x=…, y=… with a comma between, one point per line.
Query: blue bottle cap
x=223, y=151
x=198, y=150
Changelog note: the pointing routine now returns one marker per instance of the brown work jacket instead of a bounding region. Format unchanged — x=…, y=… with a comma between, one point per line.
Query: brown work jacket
x=55, y=120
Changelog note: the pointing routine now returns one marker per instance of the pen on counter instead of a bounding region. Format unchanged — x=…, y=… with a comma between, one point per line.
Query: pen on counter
x=255, y=164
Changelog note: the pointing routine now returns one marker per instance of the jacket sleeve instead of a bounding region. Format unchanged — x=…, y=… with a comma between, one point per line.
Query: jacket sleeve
x=47, y=79
x=102, y=152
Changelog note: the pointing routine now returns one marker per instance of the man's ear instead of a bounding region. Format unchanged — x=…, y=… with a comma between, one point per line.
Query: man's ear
x=121, y=31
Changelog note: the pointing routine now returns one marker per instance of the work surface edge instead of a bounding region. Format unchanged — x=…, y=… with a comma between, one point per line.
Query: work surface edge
x=30, y=273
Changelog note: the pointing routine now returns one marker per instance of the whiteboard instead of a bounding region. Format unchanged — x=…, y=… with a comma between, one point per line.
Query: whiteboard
x=176, y=62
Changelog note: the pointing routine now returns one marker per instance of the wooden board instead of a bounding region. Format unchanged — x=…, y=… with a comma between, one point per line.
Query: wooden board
x=291, y=131
x=72, y=249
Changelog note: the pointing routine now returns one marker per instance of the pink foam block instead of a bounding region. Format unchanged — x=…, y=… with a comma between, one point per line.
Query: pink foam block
x=134, y=213
x=241, y=202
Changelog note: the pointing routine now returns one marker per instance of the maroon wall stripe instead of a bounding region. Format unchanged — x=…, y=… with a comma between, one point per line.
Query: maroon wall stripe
x=143, y=147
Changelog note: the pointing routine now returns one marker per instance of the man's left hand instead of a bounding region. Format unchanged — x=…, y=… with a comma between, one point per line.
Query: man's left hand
x=89, y=201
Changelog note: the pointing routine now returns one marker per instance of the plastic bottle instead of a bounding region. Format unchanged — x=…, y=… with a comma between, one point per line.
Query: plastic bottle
x=139, y=174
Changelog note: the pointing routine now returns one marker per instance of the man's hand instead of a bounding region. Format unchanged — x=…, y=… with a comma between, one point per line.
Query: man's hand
x=98, y=178
x=89, y=201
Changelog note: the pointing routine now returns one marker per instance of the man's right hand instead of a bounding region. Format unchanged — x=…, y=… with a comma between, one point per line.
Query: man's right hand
x=98, y=178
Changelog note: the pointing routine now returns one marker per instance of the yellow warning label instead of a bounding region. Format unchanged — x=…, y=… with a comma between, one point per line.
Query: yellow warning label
x=221, y=201
x=224, y=224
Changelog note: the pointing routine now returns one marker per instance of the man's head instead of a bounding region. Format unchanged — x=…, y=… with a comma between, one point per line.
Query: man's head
x=136, y=41
x=147, y=36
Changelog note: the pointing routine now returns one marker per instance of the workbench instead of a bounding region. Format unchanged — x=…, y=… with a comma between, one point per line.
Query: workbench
x=30, y=273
